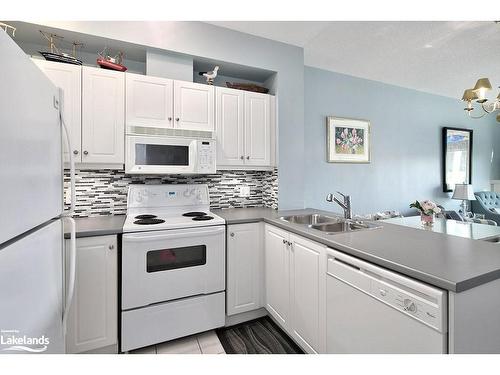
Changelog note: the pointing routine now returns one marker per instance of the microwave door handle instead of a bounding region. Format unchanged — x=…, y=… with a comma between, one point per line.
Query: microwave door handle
x=193, y=155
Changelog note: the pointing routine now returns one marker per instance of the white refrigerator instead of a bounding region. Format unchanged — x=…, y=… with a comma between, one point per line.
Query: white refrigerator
x=33, y=291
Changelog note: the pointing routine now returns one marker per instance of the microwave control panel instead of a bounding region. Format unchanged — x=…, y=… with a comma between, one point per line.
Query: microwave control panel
x=206, y=156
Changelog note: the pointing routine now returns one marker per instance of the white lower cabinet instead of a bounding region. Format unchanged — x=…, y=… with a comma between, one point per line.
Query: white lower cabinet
x=245, y=271
x=296, y=286
x=93, y=317
x=308, y=293
x=277, y=274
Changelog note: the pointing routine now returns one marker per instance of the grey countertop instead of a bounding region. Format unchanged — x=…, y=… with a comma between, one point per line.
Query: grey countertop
x=464, y=229
x=446, y=261
x=246, y=215
x=97, y=226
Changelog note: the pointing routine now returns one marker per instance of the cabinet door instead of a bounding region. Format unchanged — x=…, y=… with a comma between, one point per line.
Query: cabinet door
x=103, y=116
x=68, y=78
x=308, y=294
x=92, y=321
x=245, y=252
x=229, y=126
x=149, y=101
x=193, y=106
x=257, y=129
x=277, y=265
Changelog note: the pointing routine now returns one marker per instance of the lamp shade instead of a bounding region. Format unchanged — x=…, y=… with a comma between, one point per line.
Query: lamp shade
x=464, y=192
x=469, y=95
x=482, y=85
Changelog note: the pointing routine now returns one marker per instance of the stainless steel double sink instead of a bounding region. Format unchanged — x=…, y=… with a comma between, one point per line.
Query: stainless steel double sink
x=329, y=224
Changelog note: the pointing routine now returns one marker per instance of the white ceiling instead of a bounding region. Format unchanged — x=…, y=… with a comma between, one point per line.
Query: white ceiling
x=436, y=57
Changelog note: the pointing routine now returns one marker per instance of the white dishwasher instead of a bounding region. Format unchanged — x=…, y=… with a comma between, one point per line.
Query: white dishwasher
x=373, y=310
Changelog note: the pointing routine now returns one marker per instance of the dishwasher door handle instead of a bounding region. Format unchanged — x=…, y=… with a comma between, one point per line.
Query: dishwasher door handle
x=346, y=263
x=348, y=273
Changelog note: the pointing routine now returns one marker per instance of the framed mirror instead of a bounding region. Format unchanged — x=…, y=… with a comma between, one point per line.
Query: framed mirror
x=457, y=157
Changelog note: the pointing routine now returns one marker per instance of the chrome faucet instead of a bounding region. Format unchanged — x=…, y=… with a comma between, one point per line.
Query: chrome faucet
x=345, y=204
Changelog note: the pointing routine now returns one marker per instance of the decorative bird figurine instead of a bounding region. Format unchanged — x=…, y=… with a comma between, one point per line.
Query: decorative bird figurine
x=210, y=76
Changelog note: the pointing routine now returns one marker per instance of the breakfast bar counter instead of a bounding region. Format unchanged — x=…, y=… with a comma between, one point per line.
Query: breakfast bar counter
x=446, y=261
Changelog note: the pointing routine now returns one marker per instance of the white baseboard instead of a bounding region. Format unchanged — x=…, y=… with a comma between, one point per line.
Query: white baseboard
x=245, y=317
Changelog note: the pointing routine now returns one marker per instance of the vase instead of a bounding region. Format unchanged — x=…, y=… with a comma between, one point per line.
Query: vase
x=427, y=220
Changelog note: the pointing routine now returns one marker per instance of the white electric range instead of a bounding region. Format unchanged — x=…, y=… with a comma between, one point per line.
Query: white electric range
x=173, y=265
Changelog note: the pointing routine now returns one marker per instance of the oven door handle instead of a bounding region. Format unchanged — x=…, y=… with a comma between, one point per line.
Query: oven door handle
x=136, y=237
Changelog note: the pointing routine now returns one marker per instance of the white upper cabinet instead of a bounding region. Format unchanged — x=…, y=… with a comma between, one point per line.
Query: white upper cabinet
x=243, y=129
x=149, y=101
x=194, y=106
x=68, y=78
x=165, y=103
x=230, y=126
x=103, y=116
x=257, y=129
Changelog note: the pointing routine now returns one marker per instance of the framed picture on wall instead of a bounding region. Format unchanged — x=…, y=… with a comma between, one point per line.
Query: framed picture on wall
x=348, y=140
x=457, y=157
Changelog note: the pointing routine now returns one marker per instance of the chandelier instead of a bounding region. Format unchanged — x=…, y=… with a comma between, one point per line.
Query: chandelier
x=478, y=95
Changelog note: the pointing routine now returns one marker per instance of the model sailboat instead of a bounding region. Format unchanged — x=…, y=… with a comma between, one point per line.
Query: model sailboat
x=55, y=55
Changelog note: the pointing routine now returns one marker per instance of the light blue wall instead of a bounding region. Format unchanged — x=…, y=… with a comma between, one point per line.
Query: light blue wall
x=406, y=143
x=209, y=41
x=169, y=65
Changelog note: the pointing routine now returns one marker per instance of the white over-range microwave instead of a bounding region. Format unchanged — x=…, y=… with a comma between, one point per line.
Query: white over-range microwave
x=161, y=154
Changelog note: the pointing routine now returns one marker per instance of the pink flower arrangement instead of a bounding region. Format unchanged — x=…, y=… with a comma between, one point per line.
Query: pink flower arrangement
x=426, y=207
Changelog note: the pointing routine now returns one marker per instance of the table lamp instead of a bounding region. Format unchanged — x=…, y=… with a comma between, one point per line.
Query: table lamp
x=464, y=192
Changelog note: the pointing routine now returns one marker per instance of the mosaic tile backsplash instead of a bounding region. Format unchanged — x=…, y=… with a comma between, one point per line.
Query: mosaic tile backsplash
x=104, y=192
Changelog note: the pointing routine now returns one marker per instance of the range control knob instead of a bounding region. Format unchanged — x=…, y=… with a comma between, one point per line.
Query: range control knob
x=410, y=306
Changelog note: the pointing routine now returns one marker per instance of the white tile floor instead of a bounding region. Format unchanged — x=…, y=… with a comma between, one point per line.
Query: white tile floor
x=203, y=343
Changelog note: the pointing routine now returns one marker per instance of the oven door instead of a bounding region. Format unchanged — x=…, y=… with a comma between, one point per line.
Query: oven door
x=160, y=155
x=171, y=264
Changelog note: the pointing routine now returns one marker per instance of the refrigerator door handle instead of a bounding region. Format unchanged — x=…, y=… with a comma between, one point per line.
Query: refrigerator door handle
x=68, y=215
x=72, y=272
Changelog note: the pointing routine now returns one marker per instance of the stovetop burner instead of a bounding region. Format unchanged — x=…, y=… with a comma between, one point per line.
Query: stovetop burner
x=194, y=214
x=149, y=221
x=203, y=218
x=145, y=216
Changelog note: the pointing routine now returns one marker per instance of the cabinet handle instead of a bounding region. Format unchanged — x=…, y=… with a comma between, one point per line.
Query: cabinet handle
x=170, y=119
x=111, y=247
x=232, y=234
x=85, y=152
x=75, y=152
x=177, y=119
x=284, y=241
x=242, y=157
x=248, y=157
